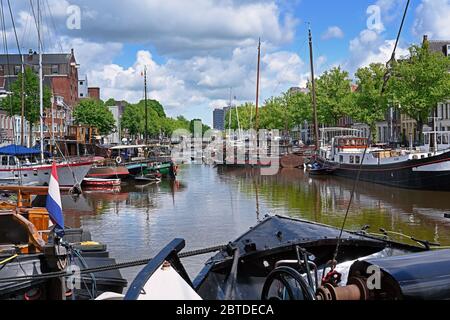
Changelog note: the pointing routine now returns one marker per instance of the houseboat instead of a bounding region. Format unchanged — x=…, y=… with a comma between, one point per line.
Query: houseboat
x=426, y=167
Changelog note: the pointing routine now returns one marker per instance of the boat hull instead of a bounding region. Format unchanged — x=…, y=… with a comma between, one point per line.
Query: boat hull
x=95, y=182
x=108, y=172
x=431, y=173
x=69, y=175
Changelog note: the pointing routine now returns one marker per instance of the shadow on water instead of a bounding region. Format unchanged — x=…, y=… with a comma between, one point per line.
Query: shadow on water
x=209, y=206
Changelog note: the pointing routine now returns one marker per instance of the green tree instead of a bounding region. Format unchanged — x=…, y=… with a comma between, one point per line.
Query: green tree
x=205, y=127
x=246, y=117
x=421, y=82
x=371, y=105
x=110, y=102
x=13, y=104
x=272, y=114
x=299, y=108
x=133, y=118
x=94, y=113
x=334, y=96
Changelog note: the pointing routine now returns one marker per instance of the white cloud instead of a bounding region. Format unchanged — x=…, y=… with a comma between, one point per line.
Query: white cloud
x=433, y=18
x=175, y=27
x=181, y=85
x=333, y=33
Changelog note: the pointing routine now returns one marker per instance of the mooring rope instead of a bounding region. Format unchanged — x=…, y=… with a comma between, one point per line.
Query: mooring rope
x=117, y=266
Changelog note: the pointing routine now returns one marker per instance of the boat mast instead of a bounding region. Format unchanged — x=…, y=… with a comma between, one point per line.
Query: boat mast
x=22, y=118
x=257, y=86
x=314, y=100
x=41, y=82
x=145, y=105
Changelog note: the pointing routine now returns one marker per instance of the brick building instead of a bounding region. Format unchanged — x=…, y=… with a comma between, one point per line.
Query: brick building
x=94, y=93
x=60, y=73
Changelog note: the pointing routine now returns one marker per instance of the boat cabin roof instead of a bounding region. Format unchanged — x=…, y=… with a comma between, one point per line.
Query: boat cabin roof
x=351, y=142
x=128, y=147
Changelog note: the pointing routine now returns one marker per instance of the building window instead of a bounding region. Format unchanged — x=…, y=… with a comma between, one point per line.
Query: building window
x=81, y=83
x=81, y=94
x=17, y=70
x=55, y=69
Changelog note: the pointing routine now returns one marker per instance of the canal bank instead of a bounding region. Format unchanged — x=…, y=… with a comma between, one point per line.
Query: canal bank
x=208, y=206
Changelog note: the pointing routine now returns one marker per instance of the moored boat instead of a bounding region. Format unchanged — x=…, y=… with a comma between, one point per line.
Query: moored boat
x=424, y=168
x=97, y=182
x=28, y=250
x=290, y=259
x=20, y=165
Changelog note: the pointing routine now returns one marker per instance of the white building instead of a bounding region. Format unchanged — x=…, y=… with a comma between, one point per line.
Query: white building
x=443, y=116
x=18, y=131
x=83, y=91
x=115, y=136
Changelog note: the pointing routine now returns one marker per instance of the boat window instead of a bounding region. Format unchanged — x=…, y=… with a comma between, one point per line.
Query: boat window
x=12, y=161
x=341, y=159
x=4, y=161
x=358, y=159
x=422, y=156
x=352, y=159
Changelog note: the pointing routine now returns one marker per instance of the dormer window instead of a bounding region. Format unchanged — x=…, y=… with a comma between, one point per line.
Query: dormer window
x=55, y=69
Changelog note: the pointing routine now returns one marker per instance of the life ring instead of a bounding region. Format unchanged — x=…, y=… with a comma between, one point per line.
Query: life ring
x=119, y=160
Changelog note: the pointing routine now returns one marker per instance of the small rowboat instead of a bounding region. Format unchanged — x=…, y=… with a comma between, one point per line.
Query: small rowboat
x=151, y=177
x=96, y=182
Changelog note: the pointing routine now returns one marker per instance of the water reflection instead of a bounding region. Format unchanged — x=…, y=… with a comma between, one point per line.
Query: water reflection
x=210, y=206
x=325, y=199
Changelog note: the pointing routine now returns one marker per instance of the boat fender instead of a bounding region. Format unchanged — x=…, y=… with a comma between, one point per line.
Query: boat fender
x=33, y=294
x=119, y=160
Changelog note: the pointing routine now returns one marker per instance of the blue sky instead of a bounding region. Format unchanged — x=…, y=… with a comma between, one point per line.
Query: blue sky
x=196, y=50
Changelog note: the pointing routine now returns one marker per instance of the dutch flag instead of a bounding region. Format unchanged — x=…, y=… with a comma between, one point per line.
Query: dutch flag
x=53, y=205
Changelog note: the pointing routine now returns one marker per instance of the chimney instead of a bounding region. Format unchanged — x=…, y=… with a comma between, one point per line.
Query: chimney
x=30, y=55
x=425, y=38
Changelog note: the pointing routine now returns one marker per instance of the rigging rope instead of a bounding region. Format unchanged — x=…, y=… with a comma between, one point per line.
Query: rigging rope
x=386, y=79
x=117, y=266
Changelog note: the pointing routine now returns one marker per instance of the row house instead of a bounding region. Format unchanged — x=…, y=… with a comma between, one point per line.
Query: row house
x=11, y=130
x=60, y=72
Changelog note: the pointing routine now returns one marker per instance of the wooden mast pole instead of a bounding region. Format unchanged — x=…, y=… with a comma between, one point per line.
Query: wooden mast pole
x=257, y=87
x=313, y=93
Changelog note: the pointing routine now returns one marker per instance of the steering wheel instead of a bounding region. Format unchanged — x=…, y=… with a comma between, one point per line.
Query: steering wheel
x=282, y=274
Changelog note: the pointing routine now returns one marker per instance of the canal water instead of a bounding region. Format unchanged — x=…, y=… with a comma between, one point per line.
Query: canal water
x=210, y=206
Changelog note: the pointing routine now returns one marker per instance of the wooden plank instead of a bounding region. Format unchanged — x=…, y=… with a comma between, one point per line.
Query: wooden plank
x=38, y=191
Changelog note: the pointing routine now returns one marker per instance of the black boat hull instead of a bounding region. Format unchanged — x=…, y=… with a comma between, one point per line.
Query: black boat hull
x=408, y=175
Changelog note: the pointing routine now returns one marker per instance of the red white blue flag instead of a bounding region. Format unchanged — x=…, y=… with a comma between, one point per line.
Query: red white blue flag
x=54, y=206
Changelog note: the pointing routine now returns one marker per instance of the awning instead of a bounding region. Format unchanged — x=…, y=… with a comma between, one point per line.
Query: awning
x=15, y=150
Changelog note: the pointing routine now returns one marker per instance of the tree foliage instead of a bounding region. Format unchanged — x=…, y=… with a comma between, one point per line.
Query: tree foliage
x=13, y=104
x=334, y=95
x=371, y=105
x=90, y=112
x=421, y=82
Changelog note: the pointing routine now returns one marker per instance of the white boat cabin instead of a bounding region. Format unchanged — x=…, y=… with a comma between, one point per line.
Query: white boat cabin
x=350, y=150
